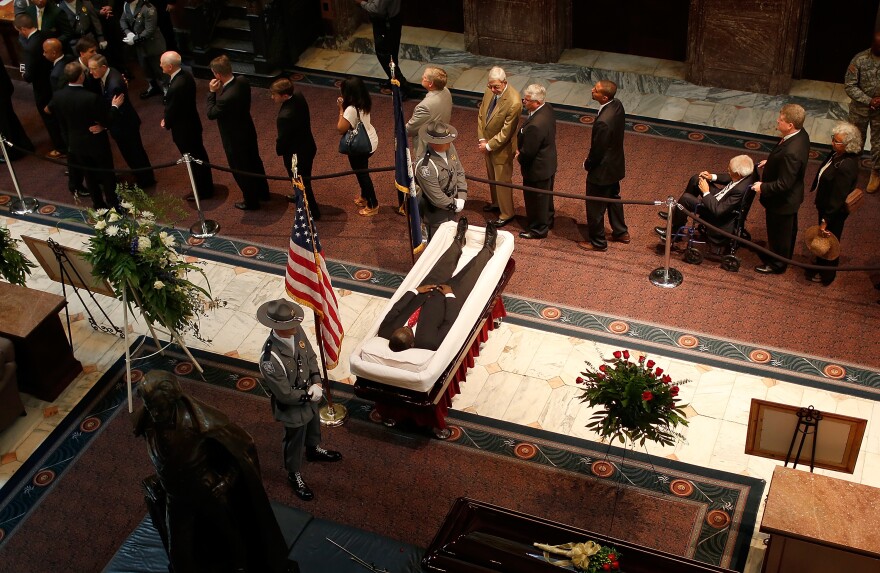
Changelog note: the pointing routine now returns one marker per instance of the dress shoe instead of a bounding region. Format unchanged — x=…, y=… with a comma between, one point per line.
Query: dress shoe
x=663, y=214
x=360, y=202
x=401, y=211
x=661, y=232
x=624, y=238
x=492, y=208
x=768, y=270
x=55, y=154
x=873, y=182
x=491, y=237
x=319, y=454
x=588, y=246
x=815, y=278
x=244, y=207
x=500, y=222
x=532, y=235
x=369, y=211
x=303, y=491
x=150, y=92
x=461, y=231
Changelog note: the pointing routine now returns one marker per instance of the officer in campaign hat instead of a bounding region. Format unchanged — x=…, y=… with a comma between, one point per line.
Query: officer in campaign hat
x=440, y=176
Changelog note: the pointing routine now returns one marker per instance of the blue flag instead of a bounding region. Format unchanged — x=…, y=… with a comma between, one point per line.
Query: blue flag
x=403, y=173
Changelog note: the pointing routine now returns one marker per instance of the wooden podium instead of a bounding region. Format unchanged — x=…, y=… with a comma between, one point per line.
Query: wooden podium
x=43, y=355
x=819, y=524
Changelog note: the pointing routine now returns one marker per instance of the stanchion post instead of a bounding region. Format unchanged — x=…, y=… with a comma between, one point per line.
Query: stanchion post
x=205, y=227
x=22, y=205
x=665, y=276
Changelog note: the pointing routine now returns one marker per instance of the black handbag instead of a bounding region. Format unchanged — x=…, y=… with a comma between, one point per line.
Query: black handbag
x=356, y=141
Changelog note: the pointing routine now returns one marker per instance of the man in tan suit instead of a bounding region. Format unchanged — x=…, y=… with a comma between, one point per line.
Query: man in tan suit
x=496, y=127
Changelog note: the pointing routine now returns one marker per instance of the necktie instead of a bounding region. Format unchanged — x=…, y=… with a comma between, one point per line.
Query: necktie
x=491, y=107
x=414, y=318
x=39, y=18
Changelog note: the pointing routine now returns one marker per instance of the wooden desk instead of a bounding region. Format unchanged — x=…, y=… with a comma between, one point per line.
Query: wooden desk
x=820, y=524
x=43, y=356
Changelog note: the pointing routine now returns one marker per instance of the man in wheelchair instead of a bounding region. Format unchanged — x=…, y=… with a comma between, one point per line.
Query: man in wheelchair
x=720, y=198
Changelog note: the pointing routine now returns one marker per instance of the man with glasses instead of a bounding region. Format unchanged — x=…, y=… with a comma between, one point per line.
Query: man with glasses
x=497, y=121
x=536, y=154
x=781, y=188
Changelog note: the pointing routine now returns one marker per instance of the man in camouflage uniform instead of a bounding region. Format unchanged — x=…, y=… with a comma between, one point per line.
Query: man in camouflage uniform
x=863, y=87
x=290, y=369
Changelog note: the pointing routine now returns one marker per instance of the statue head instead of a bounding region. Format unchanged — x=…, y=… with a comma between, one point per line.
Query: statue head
x=160, y=392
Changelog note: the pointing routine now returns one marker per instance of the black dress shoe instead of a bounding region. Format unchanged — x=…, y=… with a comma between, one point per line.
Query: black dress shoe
x=663, y=214
x=532, y=235
x=303, y=491
x=492, y=208
x=244, y=207
x=461, y=231
x=81, y=192
x=500, y=222
x=150, y=92
x=768, y=270
x=319, y=454
x=661, y=231
x=491, y=238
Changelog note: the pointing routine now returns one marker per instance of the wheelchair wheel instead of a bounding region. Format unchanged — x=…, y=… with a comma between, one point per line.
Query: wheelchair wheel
x=693, y=256
x=730, y=263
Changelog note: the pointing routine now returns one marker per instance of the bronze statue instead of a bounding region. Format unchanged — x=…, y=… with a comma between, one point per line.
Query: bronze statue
x=206, y=499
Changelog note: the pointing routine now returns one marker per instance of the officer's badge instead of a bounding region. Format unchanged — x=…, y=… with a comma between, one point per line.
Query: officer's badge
x=302, y=343
x=452, y=157
x=268, y=367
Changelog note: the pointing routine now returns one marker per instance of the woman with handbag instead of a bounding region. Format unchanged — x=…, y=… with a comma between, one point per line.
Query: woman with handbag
x=835, y=181
x=359, y=139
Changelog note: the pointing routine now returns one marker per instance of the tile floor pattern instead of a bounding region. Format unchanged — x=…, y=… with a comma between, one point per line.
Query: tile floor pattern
x=647, y=87
x=523, y=375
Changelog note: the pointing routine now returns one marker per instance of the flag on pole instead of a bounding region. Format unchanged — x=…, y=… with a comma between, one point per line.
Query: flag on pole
x=307, y=280
x=403, y=171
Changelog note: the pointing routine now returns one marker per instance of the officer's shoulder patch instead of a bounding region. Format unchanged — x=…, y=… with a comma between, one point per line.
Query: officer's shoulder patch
x=267, y=366
x=426, y=171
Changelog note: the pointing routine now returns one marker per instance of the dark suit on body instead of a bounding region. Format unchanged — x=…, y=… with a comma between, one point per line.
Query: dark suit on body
x=231, y=107
x=36, y=72
x=716, y=207
x=438, y=311
x=782, y=192
x=78, y=109
x=606, y=166
x=182, y=119
x=537, y=160
x=295, y=137
x=10, y=126
x=55, y=23
x=126, y=130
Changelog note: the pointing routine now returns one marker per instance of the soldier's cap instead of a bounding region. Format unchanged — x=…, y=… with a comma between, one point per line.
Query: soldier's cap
x=280, y=314
x=437, y=132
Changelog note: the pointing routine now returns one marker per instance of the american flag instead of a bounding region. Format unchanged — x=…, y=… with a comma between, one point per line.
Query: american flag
x=403, y=173
x=307, y=280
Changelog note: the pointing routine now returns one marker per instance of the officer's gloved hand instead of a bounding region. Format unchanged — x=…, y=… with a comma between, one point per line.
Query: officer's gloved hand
x=316, y=392
x=459, y=205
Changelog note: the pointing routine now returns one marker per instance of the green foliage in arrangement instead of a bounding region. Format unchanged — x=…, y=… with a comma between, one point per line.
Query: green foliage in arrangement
x=14, y=267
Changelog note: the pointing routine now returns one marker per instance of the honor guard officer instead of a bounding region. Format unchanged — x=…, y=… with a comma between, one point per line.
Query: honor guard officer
x=440, y=176
x=290, y=368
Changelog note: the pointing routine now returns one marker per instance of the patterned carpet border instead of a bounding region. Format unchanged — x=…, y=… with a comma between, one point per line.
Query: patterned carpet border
x=729, y=502
x=810, y=371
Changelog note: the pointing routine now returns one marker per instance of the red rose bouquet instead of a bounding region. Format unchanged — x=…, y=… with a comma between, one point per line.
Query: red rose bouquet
x=640, y=401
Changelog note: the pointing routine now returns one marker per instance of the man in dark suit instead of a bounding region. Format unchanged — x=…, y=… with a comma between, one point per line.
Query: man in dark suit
x=36, y=72
x=229, y=103
x=50, y=20
x=84, y=118
x=536, y=154
x=53, y=51
x=10, y=126
x=431, y=309
x=295, y=137
x=126, y=129
x=716, y=205
x=781, y=189
x=606, y=166
x=182, y=119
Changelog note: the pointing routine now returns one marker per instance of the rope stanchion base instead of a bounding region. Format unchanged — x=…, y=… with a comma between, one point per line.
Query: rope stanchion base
x=204, y=229
x=332, y=416
x=23, y=206
x=666, y=278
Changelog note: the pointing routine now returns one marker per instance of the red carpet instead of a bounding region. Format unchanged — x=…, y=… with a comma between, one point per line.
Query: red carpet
x=777, y=311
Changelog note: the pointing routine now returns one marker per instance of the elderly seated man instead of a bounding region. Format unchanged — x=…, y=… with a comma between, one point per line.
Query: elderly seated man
x=717, y=202
x=423, y=316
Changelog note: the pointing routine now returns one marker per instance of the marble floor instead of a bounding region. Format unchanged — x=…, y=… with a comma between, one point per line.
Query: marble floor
x=523, y=375
x=648, y=87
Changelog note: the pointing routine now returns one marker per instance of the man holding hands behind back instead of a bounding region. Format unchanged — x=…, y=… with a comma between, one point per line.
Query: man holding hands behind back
x=781, y=188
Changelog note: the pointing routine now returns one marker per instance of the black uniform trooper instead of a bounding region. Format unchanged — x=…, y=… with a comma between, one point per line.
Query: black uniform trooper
x=290, y=368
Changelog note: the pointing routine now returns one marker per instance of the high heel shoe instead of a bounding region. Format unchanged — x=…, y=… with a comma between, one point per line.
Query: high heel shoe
x=360, y=202
x=368, y=211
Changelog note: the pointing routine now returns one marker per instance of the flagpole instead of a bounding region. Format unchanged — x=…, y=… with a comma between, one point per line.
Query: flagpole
x=332, y=414
x=409, y=169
